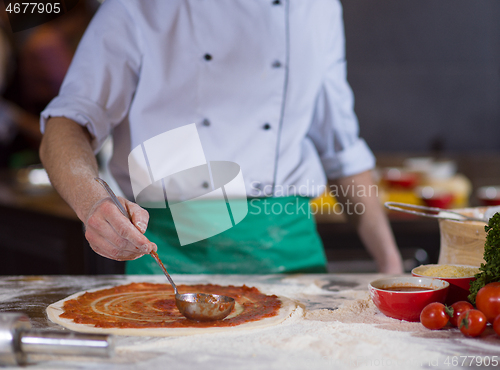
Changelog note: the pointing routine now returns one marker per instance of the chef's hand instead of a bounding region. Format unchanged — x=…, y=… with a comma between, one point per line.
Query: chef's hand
x=112, y=235
x=372, y=224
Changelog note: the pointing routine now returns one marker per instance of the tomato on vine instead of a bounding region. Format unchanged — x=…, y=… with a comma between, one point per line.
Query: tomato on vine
x=434, y=316
x=472, y=323
x=488, y=300
x=459, y=308
x=496, y=325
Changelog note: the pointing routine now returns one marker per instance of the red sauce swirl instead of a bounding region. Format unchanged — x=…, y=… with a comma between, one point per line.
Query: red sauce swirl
x=147, y=305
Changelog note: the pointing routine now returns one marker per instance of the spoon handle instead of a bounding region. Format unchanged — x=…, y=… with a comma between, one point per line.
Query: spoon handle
x=113, y=197
x=125, y=213
x=158, y=260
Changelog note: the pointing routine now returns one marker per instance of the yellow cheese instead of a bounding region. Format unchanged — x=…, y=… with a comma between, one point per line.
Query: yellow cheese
x=446, y=271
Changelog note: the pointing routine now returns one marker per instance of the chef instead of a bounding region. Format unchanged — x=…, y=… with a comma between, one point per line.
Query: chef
x=264, y=82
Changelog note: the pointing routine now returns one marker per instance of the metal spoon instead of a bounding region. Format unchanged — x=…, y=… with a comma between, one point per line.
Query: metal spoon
x=194, y=306
x=433, y=212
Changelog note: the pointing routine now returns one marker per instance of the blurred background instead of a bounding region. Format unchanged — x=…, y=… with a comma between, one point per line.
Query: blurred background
x=425, y=76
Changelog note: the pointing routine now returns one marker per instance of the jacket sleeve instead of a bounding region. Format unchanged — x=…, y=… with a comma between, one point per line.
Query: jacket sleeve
x=334, y=129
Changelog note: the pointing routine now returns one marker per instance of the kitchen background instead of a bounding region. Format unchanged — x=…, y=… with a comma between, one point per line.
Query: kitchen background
x=425, y=73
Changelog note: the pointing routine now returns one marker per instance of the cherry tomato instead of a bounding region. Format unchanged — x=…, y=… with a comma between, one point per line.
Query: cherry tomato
x=496, y=325
x=488, y=301
x=472, y=323
x=458, y=308
x=434, y=316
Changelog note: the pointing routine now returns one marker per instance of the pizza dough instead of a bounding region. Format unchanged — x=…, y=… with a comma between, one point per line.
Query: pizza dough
x=119, y=302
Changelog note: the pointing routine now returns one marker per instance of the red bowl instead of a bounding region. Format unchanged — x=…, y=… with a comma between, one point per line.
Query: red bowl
x=442, y=201
x=459, y=286
x=491, y=202
x=435, y=197
x=403, y=305
x=489, y=195
x=398, y=178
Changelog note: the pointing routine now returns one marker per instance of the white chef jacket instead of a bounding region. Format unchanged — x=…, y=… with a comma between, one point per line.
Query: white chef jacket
x=264, y=81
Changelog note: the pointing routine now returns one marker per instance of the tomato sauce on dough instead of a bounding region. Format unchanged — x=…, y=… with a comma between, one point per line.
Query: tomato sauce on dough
x=148, y=305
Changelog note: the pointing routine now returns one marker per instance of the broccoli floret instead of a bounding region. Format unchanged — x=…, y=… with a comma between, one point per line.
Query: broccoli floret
x=490, y=270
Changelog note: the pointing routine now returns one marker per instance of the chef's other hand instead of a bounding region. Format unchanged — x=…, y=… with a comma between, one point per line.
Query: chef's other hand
x=394, y=268
x=112, y=235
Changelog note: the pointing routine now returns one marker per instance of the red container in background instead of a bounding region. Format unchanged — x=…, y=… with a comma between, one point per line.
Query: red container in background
x=489, y=195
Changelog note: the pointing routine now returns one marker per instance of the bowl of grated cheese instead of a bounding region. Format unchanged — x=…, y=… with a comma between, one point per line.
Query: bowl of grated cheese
x=459, y=277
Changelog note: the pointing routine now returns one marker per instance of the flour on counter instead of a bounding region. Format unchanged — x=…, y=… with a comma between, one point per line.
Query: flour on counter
x=328, y=338
x=336, y=326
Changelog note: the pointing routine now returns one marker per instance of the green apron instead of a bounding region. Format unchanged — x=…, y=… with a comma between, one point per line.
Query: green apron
x=278, y=235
